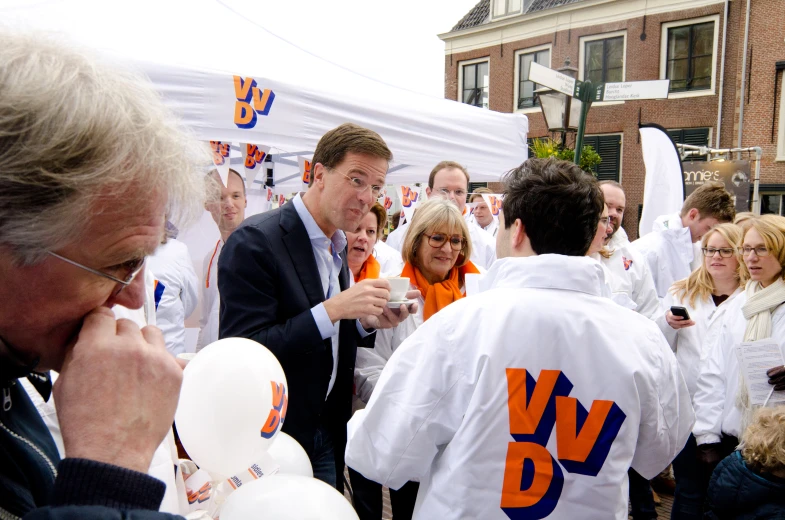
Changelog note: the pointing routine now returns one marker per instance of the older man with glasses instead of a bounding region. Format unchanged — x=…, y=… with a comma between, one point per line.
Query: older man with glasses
x=89, y=165
x=450, y=180
x=284, y=282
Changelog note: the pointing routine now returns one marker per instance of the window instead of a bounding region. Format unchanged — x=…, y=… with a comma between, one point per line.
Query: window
x=506, y=7
x=770, y=199
x=690, y=57
x=604, y=60
x=691, y=136
x=474, y=83
x=609, y=149
x=526, y=88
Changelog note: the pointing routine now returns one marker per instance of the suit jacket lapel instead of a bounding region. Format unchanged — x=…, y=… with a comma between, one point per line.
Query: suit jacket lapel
x=301, y=253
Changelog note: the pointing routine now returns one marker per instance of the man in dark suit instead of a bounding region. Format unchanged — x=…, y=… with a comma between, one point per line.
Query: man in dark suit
x=284, y=282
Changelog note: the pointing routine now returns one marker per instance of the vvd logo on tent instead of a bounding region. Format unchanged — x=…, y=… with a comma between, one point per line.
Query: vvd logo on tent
x=251, y=100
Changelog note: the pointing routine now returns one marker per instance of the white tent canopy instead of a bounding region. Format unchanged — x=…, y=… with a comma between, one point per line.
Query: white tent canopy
x=192, y=50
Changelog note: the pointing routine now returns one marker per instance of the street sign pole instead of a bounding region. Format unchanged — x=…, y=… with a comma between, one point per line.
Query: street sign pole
x=584, y=90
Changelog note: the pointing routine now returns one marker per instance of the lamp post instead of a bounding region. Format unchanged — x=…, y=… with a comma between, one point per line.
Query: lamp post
x=565, y=113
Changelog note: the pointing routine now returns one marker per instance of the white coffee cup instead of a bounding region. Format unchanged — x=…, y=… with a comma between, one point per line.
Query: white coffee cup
x=398, y=288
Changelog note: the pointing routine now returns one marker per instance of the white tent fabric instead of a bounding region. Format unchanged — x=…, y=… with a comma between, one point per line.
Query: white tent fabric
x=192, y=50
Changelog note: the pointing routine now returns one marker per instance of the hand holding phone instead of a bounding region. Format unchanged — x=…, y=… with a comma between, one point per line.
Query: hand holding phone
x=678, y=318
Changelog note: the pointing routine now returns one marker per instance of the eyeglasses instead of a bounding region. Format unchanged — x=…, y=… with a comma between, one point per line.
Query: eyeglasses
x=459, y=194
x=360, y=185
x=133, y=268
x=725, y=252
x=759, y=251
x=437, y=240
x=604, y=221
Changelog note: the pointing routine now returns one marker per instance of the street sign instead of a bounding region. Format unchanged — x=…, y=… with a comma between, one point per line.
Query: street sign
x=634, y=90
x=552, y=79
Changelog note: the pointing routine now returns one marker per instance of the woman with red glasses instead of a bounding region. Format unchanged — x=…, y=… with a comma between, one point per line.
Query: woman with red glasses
x=436, y=253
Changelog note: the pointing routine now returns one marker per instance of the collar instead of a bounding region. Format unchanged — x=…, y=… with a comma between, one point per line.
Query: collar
x=569, y=273
x=312, y=228
x=681, y=240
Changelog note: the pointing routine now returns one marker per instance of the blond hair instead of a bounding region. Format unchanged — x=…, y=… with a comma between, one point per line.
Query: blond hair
x=699, y=285
x=74, y=133
x=743, y=220
x=772, y=229
x=436, y=215
x=763, y=442
x=478, y=193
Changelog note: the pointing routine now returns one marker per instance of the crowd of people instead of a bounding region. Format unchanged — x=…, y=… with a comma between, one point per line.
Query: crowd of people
x=537, y=365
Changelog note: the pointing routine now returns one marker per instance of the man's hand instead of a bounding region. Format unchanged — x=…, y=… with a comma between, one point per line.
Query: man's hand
x=117, y=392
x=391, y=317
x=777, y=377
x=677, y=322
x=366, y=298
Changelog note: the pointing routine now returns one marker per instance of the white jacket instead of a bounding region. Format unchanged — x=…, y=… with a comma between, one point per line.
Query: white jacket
x=208, y=323
x=176, y=292
x=718, y=382
x=669, y=254
x=471, y=392
x=483, y=244
x=389, y=259
x=690, y=343
x=673, y=221
x=371, y=361
x=629, y=275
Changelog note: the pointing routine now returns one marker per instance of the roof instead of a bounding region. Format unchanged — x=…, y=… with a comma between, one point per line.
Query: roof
x=480, y=13
x=477, y=16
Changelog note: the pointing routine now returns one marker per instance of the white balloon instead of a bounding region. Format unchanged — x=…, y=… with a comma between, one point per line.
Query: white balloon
x=290, y=456
x=232, y=405
x=287, y=497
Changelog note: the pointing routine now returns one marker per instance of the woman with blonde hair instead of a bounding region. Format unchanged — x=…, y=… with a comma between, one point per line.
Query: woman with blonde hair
x=722, y=406
x=436, y=253
x=705, y=296
x=750, y=483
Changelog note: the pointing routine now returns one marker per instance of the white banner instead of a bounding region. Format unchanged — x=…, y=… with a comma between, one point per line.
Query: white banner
x=663, y=188
x=494, y=202
x=410, y=196
x=305, y=171
x=254, y=156
x=221, y=151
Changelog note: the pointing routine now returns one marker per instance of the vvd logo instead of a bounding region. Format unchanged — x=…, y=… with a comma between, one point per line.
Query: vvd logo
x=495, y=206
x=533, y=479
x=253, y=156
x=409, y=196
x=278, y=413
x=306, y=172
x=251, y=100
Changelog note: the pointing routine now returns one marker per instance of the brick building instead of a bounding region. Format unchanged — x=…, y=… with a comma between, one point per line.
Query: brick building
x=488, y=54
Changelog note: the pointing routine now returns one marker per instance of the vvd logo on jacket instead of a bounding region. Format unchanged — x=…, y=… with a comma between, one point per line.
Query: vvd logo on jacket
x=533, y=478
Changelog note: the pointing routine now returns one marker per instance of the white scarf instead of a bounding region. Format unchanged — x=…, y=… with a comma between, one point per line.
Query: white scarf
x=761, y=303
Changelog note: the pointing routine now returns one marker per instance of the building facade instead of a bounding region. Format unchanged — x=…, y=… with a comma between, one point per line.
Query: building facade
x=698, y=44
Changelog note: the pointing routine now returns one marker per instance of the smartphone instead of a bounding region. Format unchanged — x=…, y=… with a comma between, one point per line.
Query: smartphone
x=681, y=312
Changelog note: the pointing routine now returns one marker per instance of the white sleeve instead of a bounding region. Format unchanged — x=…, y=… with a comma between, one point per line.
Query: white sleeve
x=666, y=411
x=644, y=292
x=370, y=362
x=671, y=334
x=190, y=287
x=710, y=393
x=416, y=409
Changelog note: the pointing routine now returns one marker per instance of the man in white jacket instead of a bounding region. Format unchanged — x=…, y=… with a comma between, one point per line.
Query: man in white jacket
x=228, y=214
x=670, y=251
x=450, y=180
x=533, y=398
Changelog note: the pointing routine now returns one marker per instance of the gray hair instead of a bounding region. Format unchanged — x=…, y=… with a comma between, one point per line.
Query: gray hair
x=74, y=131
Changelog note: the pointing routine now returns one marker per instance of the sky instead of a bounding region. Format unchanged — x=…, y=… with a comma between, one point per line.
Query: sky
x=391, y=41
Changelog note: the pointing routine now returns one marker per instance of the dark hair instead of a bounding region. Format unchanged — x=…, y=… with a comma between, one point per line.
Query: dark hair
x=444, y=165
x=558, y=204
x=381, y=218
x=712, y=200
x=335, y=144
x=231, y=170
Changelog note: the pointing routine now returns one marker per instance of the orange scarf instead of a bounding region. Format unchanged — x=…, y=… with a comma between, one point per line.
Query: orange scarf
x=439, y=295
x=371, y=269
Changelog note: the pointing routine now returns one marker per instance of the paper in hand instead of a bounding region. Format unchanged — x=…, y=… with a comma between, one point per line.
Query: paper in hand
x=755, y=358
